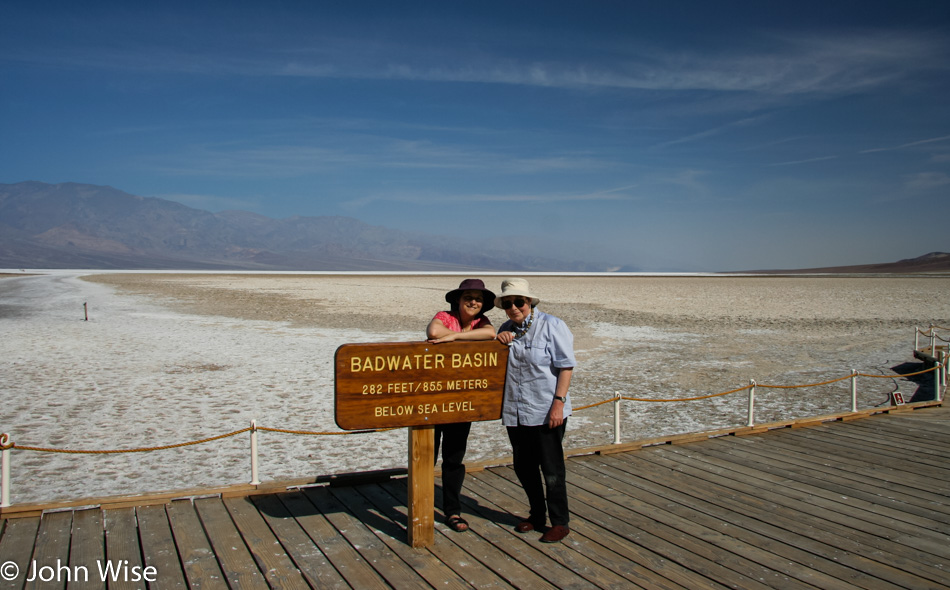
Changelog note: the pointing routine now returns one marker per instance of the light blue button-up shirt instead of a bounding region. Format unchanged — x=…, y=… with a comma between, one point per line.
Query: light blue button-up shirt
x=534, y=361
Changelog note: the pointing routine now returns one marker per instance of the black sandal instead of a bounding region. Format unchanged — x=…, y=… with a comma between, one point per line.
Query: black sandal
x=456, y=523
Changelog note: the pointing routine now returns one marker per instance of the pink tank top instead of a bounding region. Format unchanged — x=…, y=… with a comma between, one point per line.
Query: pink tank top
x=452, y=322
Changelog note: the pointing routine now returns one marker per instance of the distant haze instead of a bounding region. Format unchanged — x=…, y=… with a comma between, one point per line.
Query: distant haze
x=83, y=226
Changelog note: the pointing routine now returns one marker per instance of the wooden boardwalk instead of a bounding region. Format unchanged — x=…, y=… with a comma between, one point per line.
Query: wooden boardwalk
x=856, y=504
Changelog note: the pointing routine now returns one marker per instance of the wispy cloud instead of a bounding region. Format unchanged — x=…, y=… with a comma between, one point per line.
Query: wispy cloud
x=361, y=150
x=907, y=145
x=927, y=180
x=716, y=130
x=266, y=161
x=807, y=161
x=829, y=64
x=781, y=65
x=421, y=198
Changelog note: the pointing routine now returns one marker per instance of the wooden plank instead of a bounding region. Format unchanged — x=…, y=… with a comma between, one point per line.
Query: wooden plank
x=393, y=569
x=800, y=460
x=770, y=515
x=829, y=479
x=843, y=466
x=641, y=567
x=751, y=468
x=912, y=425
x=87, y=549
x=464, y=565
x=576, y=552
x=17, y=511
x=749, y=483
x=16, y=546
x=610, y=510
x=51, y=551
x=893, y=444
x=197, y=556
x=571, y=553
x=842, y=496
x=489, y=555
x=128, y=500
x=896, y=473
x=899, y=443
x=878, y=454
x=279, y=570
x=772, y=561
x=904, y=470
x=300, y=548
x=347, y=561
x=158, y=547
x=436, y=573
x=122, y=544
x=815, y=559
x=858, y=500
x=237, y=565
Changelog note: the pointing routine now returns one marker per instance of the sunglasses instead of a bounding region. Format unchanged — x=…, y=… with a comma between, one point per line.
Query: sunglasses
x=508, y=303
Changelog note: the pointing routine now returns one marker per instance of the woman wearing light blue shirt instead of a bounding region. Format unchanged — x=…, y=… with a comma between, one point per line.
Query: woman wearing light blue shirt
x=536, y=405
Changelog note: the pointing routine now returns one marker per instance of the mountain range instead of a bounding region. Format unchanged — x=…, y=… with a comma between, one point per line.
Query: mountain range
x=934, y=262
x=74, y=225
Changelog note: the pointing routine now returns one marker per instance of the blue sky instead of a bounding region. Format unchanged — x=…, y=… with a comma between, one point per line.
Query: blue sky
x=666, y=136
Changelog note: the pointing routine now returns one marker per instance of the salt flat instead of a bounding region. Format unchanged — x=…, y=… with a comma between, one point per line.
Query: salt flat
x=167, y=358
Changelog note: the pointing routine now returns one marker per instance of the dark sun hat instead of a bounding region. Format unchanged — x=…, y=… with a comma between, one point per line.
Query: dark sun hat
x=488, y=297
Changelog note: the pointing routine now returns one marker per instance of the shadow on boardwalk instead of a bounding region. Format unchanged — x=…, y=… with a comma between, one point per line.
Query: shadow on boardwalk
x=923, y=384
x=845, y=504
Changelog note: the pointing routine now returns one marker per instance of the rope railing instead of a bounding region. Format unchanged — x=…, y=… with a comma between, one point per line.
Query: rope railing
x=805, y=385
x=682, y=399
x=6, y=445
x=118, y=451
x=931, y=333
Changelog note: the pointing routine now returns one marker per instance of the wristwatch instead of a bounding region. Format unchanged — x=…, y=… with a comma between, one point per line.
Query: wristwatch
x=562, y=399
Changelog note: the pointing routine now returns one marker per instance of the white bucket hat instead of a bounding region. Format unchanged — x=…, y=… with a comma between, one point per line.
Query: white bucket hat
x=511, y=287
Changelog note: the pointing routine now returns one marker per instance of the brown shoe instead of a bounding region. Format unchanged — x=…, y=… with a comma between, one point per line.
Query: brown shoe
x=525, y=526
x=555, y=534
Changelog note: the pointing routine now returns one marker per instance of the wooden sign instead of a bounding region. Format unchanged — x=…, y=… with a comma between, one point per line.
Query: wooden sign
x=391, y=385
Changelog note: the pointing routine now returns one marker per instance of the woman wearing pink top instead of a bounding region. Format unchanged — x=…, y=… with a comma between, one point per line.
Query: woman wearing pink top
x=465, y=321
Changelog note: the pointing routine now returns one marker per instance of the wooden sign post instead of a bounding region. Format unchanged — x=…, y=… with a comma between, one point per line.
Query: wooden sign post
x=419, y=385
x=421, y=525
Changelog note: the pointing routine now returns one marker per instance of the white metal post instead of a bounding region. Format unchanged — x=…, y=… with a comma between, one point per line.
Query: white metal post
x=4, y=471
x=943, y=361
x=916, y=338
x=617, y=419
x=854, y=390
x=752, y=403
x=937, y=369
x=255, y=480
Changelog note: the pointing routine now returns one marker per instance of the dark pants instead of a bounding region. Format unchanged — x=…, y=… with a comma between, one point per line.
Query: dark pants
x=453, y=438
x=538, y=451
